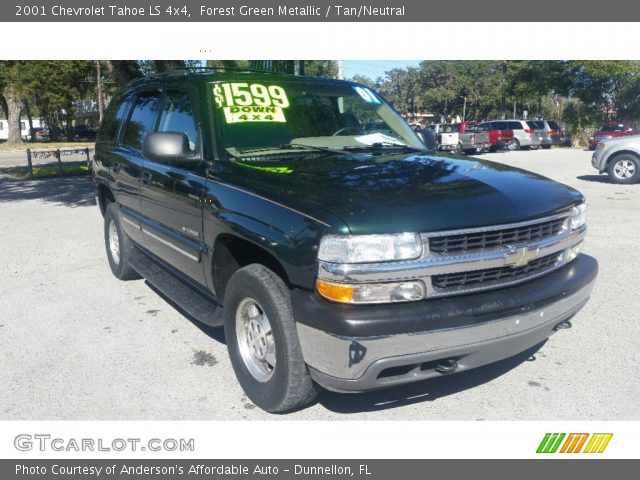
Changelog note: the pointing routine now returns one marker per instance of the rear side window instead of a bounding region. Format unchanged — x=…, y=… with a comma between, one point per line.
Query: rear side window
x=142, y=120
x=177, y=116
x=514, y=126
x=553, y=125
x=113, y=117
x=499, y=125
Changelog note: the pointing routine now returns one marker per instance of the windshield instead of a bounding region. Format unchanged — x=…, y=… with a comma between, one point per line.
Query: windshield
x=272, y=117
x=612, y=127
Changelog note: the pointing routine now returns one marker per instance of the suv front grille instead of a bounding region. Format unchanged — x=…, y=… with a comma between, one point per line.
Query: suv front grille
x=494, y=238
x=478, y=278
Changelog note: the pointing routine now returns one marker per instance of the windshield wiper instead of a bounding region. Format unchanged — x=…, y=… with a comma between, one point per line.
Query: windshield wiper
x=380, y=146
x=299, y=146
x=290, y=146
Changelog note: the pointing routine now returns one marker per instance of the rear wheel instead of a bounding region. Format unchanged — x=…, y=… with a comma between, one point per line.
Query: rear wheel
x=513, y=144
x=119, y=247
x=624, y=168
x=263, y=341
x=546, y=147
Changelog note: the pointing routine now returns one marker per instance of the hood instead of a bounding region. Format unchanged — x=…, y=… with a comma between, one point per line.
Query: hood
x=402, y=193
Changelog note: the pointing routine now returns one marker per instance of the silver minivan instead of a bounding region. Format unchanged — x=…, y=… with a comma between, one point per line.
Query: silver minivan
x=524, y=136
x=550, y=131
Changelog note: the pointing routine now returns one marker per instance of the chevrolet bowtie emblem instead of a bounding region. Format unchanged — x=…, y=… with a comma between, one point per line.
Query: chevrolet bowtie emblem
x=520, y=257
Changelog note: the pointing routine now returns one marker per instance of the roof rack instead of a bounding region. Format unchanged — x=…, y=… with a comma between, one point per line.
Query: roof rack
x=177, y=71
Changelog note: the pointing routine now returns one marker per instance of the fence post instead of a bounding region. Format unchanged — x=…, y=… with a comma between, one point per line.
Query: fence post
x=29, y=164
x=86, y=150
x=59, y=162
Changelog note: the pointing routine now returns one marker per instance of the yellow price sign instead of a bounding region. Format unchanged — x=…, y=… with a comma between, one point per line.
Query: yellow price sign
x=253, y=114
x=242, y=94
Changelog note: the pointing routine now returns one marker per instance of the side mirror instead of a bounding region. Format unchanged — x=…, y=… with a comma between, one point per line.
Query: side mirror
x=429, y=138
x=169, y=147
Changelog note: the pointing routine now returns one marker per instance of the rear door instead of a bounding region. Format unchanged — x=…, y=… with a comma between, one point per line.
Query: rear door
x=172, y=194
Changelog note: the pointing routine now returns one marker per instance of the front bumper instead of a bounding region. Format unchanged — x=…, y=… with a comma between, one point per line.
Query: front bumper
x=598, y=160
x=349, y=349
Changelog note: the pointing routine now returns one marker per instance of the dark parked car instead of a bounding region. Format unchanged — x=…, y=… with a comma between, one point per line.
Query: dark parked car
x=334, y=255
x=83, y=132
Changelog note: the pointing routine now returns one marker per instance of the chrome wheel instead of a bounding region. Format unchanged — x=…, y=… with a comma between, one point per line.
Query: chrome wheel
x=114, y=242
x=624, y=169
x=255, y=340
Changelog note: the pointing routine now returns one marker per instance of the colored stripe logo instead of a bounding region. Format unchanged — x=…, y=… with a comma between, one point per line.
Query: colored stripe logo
x=574, y=443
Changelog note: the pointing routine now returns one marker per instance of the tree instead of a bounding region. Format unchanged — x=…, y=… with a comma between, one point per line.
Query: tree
x=608, y=86
x=10, y=89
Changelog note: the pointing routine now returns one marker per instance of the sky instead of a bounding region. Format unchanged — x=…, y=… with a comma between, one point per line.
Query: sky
x=375, y=68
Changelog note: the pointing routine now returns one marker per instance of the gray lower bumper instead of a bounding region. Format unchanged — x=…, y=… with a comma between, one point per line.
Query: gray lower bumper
x=351, y=364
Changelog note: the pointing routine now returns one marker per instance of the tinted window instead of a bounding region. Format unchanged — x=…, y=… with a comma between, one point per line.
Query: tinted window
x=142, y=120
x=499, y=125
x=553, y=125
x=514, y=125
x=113, y=116
x=177, y=116
x=536, y=124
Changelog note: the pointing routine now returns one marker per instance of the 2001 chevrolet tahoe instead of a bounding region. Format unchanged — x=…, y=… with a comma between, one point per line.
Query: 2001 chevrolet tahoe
x=333, y=256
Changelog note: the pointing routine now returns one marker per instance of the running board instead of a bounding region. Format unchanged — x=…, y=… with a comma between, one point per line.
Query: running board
x=185, y=298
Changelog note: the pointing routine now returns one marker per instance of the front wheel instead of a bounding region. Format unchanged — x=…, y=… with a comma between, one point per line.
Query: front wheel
x=513, y=145
x=263, y=341
x=624, y=168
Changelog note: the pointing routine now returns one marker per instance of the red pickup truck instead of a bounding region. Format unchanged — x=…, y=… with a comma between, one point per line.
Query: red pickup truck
x=611, y=130
x=497, y=138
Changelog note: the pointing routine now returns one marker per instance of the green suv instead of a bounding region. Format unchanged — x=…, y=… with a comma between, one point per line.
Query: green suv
x=306, y=217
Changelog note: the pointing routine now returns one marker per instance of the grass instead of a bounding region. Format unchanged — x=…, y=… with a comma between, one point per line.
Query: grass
x=4, y=147
x=47, y=171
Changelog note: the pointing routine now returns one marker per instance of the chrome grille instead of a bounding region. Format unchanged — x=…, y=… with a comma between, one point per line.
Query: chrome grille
x=477, y=278
x=494, y=238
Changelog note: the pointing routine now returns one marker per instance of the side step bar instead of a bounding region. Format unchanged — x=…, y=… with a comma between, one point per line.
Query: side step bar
x=186, y=298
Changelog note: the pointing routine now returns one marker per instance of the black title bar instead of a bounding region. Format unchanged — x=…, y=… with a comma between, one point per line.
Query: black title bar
x=319, y=11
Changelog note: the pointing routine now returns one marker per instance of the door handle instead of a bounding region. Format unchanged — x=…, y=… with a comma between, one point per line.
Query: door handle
x=145, y=178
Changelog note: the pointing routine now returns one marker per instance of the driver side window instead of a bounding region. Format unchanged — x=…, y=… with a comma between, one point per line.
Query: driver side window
x=177, y=116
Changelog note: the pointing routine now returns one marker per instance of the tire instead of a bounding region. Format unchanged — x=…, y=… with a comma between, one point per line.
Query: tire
x=258, y=320
x=546, y=147
x=513, y=145
x=118, y=245
x=624, y=168
x=458, y=149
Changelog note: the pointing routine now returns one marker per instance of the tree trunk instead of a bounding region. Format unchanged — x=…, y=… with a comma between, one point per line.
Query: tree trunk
x=30, y=117
x=100, y=96
x=3, y=105
x=14, y=107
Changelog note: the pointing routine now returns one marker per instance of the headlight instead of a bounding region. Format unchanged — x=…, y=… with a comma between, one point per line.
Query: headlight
x=578, y=216
x=370, y=248
x=372, y=292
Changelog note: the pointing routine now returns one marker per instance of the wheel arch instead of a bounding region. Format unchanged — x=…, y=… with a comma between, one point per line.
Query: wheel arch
x=613, y=155
x=231, y=253
x=104, y=196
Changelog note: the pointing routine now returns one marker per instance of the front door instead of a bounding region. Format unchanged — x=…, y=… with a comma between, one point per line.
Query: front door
x=127, y=161
x=171, y=195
